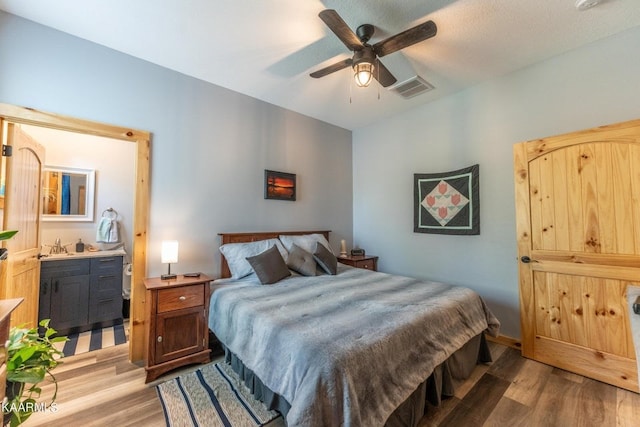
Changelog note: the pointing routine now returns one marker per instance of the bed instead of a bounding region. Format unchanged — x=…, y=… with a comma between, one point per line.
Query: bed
x=352, y=348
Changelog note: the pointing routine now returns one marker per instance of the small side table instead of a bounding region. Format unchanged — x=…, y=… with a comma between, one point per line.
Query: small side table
x=368, y=262
x=176, y=323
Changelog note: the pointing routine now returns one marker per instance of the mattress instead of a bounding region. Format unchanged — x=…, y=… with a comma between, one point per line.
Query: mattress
x=347, y=349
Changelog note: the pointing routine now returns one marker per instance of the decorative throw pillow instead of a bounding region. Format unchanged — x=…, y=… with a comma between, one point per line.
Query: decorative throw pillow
x=304, y=241
x=325, y=259
x=301, y=261
x=269, y=266
x=236, y=255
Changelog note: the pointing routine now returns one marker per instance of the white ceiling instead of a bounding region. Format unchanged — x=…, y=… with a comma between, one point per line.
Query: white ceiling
x=266, y=49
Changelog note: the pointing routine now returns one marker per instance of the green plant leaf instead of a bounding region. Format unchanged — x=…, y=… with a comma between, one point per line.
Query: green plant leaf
x=4, y=235
x=30, y=358
x=27, y=352
x=26, y=377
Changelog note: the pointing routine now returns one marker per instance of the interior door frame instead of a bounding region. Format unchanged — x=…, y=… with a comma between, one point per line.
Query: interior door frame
x=142, y=139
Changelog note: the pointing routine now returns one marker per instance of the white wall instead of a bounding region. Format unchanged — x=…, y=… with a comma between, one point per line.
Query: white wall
x=209, y=147
x=588, y=87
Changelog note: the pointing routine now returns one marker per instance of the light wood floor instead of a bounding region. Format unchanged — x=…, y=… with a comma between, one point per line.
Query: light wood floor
x=102, y=388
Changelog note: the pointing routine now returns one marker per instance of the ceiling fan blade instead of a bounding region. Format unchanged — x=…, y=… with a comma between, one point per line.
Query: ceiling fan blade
x=406, y=38
x=341, y=29
x=332, y=68
x=383, y=75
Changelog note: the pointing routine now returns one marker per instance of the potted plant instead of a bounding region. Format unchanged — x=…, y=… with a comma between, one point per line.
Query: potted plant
x=4, y=235
x=30, y=358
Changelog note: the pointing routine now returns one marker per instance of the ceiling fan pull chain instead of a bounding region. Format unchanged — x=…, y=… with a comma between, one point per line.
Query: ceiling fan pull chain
x=378, y=79
x=350, y=89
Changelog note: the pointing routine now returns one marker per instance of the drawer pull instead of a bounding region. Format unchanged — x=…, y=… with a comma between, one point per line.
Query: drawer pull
x=182, y=298
x=160, y=338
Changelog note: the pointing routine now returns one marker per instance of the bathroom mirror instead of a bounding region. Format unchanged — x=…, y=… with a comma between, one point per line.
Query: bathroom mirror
x=67, y=194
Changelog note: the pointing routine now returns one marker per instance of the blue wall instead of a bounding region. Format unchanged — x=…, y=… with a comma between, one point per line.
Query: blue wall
x=210, y=145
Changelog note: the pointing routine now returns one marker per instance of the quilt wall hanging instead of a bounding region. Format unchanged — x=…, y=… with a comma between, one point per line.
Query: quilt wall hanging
x=447, y=203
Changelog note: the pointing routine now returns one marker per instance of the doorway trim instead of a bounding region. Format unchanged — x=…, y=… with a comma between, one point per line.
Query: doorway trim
x=142, y=139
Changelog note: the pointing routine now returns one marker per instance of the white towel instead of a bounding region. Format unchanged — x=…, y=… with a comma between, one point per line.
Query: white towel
x=114, y=236
x=107, y=231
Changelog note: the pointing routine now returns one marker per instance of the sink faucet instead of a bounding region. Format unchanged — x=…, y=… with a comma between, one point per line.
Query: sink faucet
x=58, y=248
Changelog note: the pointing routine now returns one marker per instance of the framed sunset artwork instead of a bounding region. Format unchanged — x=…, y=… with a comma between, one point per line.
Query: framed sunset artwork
x=279, y=185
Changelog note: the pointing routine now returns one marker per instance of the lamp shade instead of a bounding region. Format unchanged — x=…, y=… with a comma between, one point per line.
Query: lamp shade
x=363, y=73
x=169, y=251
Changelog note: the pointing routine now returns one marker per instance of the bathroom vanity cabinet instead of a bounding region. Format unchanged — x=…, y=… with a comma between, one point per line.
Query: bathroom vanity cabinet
x=80, y=294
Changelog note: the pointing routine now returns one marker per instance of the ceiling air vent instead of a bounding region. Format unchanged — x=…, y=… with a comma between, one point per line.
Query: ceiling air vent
x=412, y=87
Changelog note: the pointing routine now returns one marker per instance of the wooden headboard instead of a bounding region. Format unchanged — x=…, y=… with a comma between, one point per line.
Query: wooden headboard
x=253, y=237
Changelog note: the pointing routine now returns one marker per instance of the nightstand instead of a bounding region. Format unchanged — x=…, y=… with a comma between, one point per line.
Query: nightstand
x=368, y=262
x=176, y=323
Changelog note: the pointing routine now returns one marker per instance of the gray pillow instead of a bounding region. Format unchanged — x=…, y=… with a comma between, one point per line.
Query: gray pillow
x=325, y=259
x=269, y=266
x=305, y=241
x=301, y=261
x=236, y=255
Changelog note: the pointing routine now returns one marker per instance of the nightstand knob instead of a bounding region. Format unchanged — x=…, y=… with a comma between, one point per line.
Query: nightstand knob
x=160, y=338
x=182, y=298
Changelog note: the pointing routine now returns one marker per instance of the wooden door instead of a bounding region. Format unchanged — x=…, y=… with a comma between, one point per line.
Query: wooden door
x=20, y=276
x=578, y=226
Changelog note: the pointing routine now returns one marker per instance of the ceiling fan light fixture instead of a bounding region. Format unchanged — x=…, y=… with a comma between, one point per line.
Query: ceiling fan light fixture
x=363, y=73
x=363, y=67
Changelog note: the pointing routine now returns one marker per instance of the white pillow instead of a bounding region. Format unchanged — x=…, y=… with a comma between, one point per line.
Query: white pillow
x=304, y=241
x=236, y=255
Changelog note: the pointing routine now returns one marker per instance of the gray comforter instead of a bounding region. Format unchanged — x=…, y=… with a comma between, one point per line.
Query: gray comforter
x=346, y=349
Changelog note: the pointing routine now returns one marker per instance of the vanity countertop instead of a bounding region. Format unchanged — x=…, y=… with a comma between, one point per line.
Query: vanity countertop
x=85, y=254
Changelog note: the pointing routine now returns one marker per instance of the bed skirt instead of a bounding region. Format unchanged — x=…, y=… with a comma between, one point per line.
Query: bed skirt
x=440, y=384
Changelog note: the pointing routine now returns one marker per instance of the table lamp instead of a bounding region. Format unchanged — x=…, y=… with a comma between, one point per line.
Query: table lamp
x=169, y=255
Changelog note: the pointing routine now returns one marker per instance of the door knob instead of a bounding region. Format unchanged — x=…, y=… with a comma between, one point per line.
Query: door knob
x=525, y=259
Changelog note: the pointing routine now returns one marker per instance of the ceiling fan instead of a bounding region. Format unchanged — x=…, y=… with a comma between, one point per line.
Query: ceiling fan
x=365, y=62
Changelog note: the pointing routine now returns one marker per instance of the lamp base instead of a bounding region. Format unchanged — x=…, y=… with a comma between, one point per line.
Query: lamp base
x=168, y=276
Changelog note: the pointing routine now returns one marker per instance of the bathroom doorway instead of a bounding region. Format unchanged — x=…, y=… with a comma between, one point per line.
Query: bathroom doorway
x=140, y=211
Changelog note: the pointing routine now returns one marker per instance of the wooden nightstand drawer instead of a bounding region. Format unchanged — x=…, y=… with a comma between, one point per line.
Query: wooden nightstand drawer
x=367, y=264
x=180, y=297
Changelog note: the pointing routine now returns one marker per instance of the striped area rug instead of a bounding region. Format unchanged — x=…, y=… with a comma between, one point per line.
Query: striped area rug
x=213, y=396
x=94, y=340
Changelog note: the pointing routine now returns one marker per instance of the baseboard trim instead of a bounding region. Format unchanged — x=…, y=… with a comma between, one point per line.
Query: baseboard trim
x=504, y=340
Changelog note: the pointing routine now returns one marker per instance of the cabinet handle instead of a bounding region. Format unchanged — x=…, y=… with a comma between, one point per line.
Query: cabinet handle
x=182, y=298
x=106, y=277
x=55, y=287
x=45, y=288
x=160, y=338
